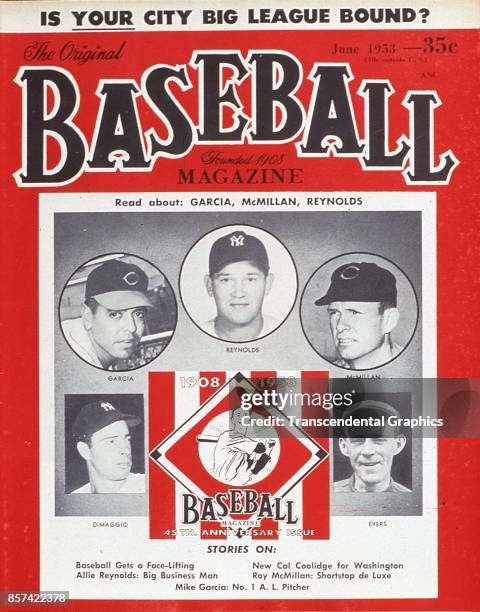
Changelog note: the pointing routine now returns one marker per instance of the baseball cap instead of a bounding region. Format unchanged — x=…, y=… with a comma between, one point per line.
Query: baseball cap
x=360, y=282
x=97, y=415
x=118, y=285
x=375, y=410
x=237, y=246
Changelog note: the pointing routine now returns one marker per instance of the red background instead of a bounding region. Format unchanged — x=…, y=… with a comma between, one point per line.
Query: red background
x=456, y=127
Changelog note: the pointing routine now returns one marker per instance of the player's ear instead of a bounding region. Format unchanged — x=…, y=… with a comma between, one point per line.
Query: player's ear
x=268, y=283
x=208, y=284
x=84, y=450
x=400, y=442
x=342, y=444
x=390, y=319
x=86, y=317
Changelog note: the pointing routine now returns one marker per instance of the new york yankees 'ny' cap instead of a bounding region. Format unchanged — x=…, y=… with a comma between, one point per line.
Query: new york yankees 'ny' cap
x=97, y=415
x=118, y=285
x=360, y=282
x=237, y=246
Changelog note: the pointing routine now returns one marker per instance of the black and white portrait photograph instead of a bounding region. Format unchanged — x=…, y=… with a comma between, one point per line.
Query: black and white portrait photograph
x=238, y=283
x=117, y=312
x=372, y=449
x=104, y=442
x=359, y=311
x=377, y=457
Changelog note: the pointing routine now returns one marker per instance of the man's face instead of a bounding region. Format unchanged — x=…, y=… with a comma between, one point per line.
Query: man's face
x=238, y=290
x=115, y=333
x=358, y=328
x=372, y=458
x=110, y=453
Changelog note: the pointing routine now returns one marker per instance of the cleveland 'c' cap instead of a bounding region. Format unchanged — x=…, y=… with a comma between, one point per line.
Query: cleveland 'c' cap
x=97, y=415
x=118, y=285
x=237, y=246
x=360, y=282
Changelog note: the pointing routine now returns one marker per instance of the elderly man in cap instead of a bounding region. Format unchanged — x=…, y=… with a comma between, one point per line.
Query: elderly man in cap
x=371, y=447
x=238, y=280
x=113, y=315
x=362, y=306
x=102, y=433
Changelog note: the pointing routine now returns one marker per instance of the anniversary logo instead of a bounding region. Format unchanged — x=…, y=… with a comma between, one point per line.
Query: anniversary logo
x=233, y=451
x=244, y=237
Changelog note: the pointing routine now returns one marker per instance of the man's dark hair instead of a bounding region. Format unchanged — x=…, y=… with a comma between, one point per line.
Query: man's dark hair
x=83, y=438
x=92, y=304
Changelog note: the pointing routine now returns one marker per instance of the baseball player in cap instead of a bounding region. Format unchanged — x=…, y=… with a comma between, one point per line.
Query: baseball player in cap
x=371, y=447
x=113, y=314
x=102, y=433
x=238, y=279
x=362, y=306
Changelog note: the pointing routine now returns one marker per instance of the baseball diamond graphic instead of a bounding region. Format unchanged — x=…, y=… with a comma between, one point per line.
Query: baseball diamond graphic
x=210, y=452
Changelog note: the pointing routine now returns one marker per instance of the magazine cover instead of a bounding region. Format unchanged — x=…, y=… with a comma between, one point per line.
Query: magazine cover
x=240, y=244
